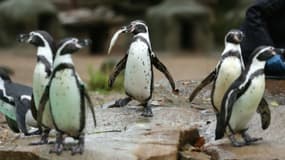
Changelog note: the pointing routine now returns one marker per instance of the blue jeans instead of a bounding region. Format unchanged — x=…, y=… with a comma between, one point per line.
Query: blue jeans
x=275, y=66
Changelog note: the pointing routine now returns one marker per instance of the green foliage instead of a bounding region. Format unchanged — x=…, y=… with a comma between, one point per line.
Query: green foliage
x=98, y=81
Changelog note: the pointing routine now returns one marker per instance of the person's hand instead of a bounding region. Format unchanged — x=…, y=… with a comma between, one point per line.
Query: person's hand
x=275, y=66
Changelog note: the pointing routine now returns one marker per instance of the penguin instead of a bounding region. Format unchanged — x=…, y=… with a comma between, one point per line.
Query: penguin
x=138, y=64
x=66, y=94
x=243, y=97
x=228, y=69
x=42, y=72
x=15, y=104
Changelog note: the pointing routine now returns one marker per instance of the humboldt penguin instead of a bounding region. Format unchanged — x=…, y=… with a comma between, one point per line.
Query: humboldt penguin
x=42, y=72
x=15, y=104
x=66, y=94
x=243, y=97
x=228, y=69
x=138, y=64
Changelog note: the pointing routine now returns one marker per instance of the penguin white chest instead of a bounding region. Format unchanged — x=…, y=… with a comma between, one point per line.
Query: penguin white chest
x=229, y=71
x=40, y=80
x=138, y=72
x=247, y=104
x=65, y=102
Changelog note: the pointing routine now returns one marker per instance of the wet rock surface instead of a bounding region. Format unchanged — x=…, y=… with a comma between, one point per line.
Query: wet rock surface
x=178, y=130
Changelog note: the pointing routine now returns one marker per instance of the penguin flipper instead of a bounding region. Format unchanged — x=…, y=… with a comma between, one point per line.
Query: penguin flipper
x=90, y=104
x=207, y=80
x=265, y=114
x=12, y=124
x=224, y=115
x=162, y=68
x=21, y=111
x=117, y=69
x=33, y=107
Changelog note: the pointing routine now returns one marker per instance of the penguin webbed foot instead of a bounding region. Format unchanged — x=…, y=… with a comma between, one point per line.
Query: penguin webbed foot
x=122, y=102
x=119, y=103
x=234, y=142
x=248, y=139
x=58, y=146
x=37, y=132
x=44, y=138
x=147, y=112
x=79, y=147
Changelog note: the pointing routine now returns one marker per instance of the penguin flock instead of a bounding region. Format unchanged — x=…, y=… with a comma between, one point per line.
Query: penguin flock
x=58, y=97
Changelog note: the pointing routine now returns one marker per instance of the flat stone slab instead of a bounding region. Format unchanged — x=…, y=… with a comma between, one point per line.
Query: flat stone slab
x=121, y=134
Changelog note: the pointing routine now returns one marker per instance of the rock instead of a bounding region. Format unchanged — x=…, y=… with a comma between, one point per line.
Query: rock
x=271, y=147
x=121, y=134
x=192, y=155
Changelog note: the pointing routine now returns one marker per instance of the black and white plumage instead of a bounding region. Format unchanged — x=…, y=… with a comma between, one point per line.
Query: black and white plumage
x=66, y=94
x=42, y=72
x=138, y=64
x=243, y=97
x=228, y=69
x=15, y=104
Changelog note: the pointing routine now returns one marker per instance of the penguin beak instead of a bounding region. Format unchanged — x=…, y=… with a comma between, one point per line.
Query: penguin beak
x=23, y=38
x=130, y=28
x=238, y=38
x=273, y=51
x=83, y=43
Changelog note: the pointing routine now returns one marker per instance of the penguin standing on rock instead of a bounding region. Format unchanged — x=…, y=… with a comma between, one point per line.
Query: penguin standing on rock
x=226, y=72
x=138, y=64
x=243, y=97
x=42, y=72
x=16, y=104
x=66, y=94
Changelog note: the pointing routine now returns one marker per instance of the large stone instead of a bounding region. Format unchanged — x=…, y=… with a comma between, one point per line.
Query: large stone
x=271, y=147
x=121, y=134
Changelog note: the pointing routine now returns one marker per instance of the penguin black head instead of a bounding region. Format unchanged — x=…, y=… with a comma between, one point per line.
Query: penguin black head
x=263, y=53
x=5, y=76
x=71, y=45
x=136, y=27
x=234, y=36
x=37, y=38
